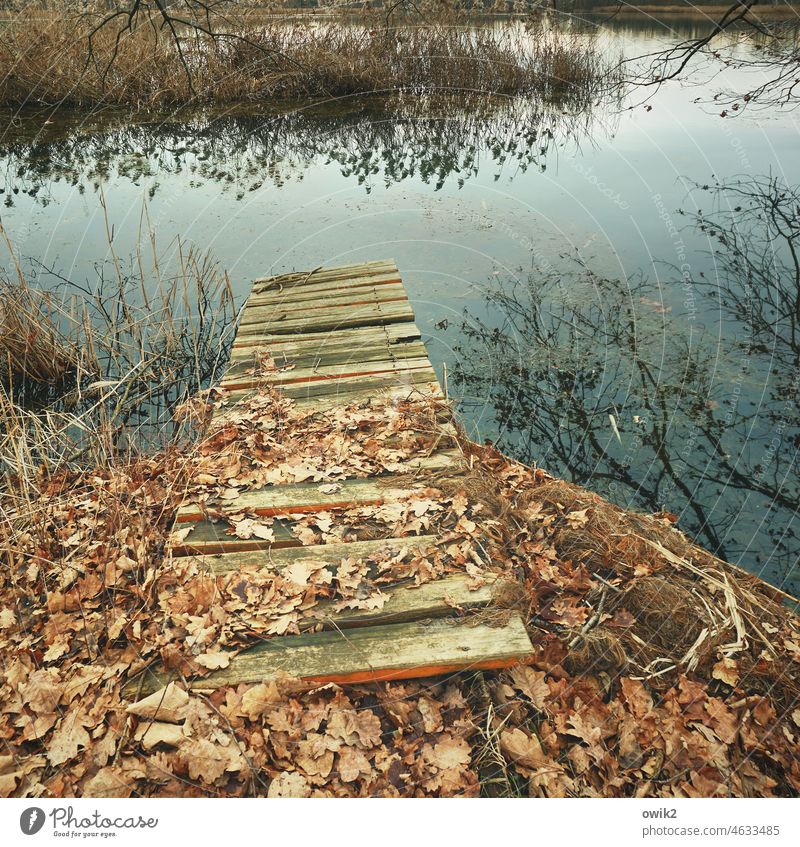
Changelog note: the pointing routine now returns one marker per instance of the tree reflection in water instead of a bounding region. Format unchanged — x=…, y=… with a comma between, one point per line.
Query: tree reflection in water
x=598, y=381
x=432, y=138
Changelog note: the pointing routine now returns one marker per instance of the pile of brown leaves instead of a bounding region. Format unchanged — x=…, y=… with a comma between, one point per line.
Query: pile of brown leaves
x=659, y=671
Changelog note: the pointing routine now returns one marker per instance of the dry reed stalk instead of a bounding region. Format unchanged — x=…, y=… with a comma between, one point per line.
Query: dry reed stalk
x=256, y=58
x=31, y=344
x=141, y=342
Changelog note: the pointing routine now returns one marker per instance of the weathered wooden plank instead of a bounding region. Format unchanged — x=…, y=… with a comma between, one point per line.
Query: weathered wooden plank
x=354, y=269
x=347, y=390
x=342, y=386
x=357, y=317
x=372, y=654
x=321, y=405
x=273, y=313
x=329, y=271
x=209, y=537
x=353, y=273
x=372, y=288
x=287, y=345
x=407, y=602
x=430, y=391
x=299, y=376
x=394, y=333
x=301, y=498
x=345, y=354
x=332, y=288
x=319, y=554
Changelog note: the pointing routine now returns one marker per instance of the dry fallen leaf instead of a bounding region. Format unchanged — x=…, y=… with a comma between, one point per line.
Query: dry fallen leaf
x=166, y=704
x=214, y=660
x=289, y=784
x=69, y=736
x=151, y=734
x=522, y=749
x=726, y=670
x=532, y=684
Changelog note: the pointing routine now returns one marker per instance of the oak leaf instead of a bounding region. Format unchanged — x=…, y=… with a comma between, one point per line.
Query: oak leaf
x=209, y=761
x=69, y=736
x=151, y=734
x=214, y=660
x=450, y=753
x=355, y=728
x=727, y=671
x=8, y=783
x=42, y=691
x=637, y=697
x=289, y=784
x=353, y=764
x=109, y=782
x=532, y=684
x=522, y=749
x=258, y=699
x=166, y=704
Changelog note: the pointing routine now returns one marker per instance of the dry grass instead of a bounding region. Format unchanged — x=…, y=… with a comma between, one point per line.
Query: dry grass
x=708, y=12
x=661, y=605
x=32, y=345
x=47, y=61
x=146, y=335
x=676, y=606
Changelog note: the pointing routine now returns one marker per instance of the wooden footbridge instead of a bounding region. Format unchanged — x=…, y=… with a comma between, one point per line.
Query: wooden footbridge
x=350, y=336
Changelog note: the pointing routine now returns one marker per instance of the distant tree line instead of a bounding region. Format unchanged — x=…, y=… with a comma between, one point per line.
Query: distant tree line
x=476, y=5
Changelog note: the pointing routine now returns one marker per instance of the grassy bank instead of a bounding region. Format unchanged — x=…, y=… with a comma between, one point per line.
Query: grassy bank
x=95, y=371
x=54, y=61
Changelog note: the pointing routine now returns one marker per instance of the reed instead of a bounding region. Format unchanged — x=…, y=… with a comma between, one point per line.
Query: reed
x=257, y=58
x=144, y=336
x=32, y=347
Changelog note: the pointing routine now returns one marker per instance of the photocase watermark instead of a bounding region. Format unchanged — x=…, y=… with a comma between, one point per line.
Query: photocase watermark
x=481, y=220
x=32, y=820
x=785, y=416
x=680, y=464
x=65, y=823
x=685, y=269
x=736, y=145
x=606, y=190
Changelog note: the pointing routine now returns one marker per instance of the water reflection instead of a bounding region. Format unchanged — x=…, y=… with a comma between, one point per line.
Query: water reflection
x=599, y=381
x=435, y=139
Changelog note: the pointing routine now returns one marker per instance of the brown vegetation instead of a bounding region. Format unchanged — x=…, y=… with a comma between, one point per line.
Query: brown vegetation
x=48, y=60
x=710, y=10
x=31, y=345
x=98, y=376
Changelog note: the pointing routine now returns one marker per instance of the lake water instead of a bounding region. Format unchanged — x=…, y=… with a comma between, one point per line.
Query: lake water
x=501, y=217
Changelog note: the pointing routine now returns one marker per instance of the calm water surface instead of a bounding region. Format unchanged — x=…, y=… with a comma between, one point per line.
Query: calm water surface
x=562, y=232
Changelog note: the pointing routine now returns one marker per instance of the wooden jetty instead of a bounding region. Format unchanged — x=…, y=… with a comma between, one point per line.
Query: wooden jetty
x=349, y=335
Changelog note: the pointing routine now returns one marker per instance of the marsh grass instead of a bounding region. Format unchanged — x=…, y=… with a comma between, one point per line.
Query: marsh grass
x=144, y=335
x=257, y=58
x=32, y=346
